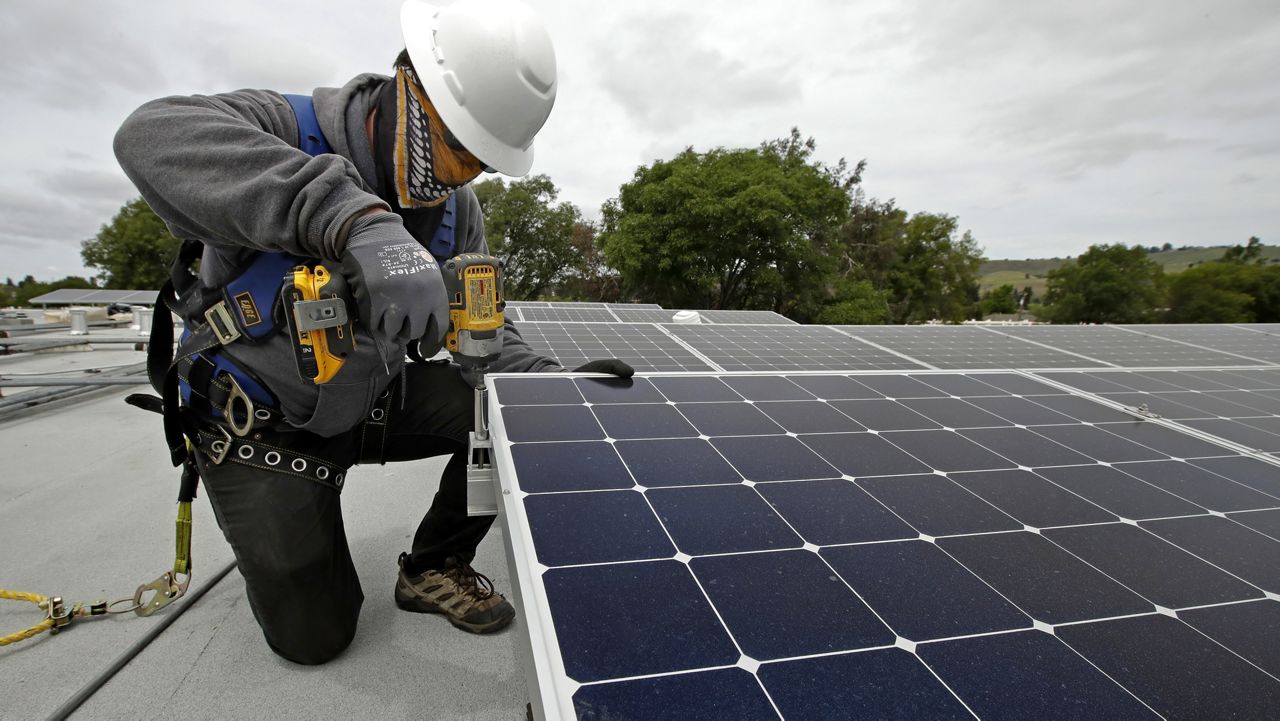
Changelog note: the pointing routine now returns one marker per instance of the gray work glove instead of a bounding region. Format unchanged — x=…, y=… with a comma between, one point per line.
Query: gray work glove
x=396, y=283
x=612, y=366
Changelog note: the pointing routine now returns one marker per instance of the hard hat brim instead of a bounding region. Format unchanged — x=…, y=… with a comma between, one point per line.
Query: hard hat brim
x=491, y=151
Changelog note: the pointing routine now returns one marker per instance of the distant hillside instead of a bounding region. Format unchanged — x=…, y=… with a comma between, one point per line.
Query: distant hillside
x=1032, y=271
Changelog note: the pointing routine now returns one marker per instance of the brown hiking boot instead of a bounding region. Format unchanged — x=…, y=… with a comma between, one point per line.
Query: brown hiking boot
x=465, y=596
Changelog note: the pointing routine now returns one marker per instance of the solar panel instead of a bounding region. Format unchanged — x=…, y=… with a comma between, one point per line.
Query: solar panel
x=1114, y=345
x=1239, y=405
x=972, y=347
x=95, y=296
x=1251, y=344
x=559, y=314
x=729, y=317
x=528, y=304
x=644, y=315
x=635, y=306
x=893, y=545
x=798, y=347
x=645, y=347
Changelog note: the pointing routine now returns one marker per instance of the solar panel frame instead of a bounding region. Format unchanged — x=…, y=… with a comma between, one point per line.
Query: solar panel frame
x=556, y=691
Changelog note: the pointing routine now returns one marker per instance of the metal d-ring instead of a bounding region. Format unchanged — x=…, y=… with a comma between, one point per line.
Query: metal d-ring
x=229, y=410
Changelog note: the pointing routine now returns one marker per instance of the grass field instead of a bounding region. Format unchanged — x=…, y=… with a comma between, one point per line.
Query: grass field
x=1033, y=271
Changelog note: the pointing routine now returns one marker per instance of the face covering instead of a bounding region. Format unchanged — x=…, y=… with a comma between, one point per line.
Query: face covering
x=419, y=168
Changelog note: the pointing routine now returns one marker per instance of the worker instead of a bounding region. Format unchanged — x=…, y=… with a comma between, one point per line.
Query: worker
x=370, y=180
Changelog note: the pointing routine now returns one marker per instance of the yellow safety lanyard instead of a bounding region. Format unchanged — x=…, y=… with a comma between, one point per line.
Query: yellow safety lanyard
x=169, y=587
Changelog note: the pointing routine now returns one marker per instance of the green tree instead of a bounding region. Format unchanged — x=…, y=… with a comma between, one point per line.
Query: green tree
x=1211, y=293
x=531, y=232
x=857, y=302
x=731, y=228
x=1003, y=299
x=591, y=278
x=928, y=270
x=1240, y=287
x=133, y=251
x=1250, y=252
x=1106, y=284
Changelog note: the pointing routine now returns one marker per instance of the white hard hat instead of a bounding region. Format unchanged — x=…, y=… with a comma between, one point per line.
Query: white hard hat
x=490, y=71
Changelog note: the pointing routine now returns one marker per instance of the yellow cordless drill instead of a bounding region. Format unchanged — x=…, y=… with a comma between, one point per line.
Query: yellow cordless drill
x=474, y=284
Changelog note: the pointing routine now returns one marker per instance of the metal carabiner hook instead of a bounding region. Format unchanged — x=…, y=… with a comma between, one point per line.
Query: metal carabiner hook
x=167, y=589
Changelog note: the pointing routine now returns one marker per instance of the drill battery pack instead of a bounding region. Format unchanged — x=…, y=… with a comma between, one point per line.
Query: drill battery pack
x=315, y=307
x=476, y=304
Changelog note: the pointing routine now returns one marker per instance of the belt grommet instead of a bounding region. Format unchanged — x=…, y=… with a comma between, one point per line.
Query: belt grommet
x=338, y=479
x=377, y=414
x=272, y=458
x=322, y=473
x=299, y=464
x=262, y=414
x=245, y=452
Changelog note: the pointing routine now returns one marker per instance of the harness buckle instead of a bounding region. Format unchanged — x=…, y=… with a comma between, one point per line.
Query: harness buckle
x=220, y=447
x=222, y=323
x=319, y=314
x=229, y=410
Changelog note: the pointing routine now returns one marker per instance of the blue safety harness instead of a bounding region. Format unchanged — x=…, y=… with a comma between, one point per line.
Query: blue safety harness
x=244, y=310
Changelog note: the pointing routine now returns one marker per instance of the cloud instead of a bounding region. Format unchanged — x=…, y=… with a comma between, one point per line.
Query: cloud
x=1043, y=126
x=68, y=55
x=1251, y=150
x=665, y=71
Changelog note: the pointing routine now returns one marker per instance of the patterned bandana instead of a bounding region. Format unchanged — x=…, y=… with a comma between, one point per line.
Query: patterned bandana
x=425, y=168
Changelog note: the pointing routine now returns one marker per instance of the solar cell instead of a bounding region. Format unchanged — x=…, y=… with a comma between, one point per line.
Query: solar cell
x=767, y=348
x=1239, y=405
x=1115, y=345
x=858, y=542
x=971, y=347
x=645, y=347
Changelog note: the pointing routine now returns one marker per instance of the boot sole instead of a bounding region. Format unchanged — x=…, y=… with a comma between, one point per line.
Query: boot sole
x=417, y=605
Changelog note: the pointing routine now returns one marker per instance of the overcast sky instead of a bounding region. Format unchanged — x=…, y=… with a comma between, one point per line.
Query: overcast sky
x=1043, y=126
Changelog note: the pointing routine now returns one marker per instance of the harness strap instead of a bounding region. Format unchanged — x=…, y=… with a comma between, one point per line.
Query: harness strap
x=221, y=447
x=373, y=432
x=311, y=138
x=213, y=390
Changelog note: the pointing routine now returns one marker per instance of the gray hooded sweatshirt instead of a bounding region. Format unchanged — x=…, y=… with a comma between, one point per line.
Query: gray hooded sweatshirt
x=226, y=170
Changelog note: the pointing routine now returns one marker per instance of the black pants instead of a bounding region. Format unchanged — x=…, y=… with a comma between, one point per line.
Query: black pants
x=287, y=532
